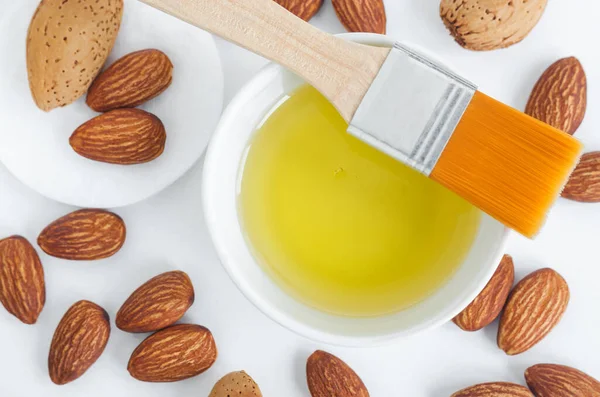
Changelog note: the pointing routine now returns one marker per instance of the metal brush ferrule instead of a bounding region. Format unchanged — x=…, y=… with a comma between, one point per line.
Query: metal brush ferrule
x=412, y=108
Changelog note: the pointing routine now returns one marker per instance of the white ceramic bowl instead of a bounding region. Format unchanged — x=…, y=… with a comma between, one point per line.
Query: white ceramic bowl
x=224, y=158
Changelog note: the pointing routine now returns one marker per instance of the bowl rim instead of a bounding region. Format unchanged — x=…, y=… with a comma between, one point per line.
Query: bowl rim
x=249, y=292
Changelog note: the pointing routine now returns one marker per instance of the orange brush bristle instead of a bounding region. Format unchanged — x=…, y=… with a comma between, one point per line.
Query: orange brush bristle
x=509, y=165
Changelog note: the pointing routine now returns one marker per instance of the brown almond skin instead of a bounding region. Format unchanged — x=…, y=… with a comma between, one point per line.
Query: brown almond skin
x=494, y=389
x=361, y=15
x=551, y=380
x=22, y=286
x=329, y=376
x=303, y=9
x=122, y=136
x=238, y=384
x=78, y=341
x=584, y=183
x=489, y=303
x=84, y=235
x=173, y=354
x=67, y=44
x=535, y=306
x=158, y=303
x=131, y=81
x=484, y=25
x=559, y=98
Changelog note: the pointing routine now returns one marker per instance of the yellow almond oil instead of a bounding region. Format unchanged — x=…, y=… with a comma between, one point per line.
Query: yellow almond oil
x=341, y=226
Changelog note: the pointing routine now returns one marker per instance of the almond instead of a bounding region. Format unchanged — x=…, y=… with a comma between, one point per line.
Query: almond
x=173, y=354
x=131, y=81
x=489, y=303
x=67, y=44
x=22, y=287
x=361, y=15
x=494, y=389
x=78, y=341
x=329, y=376
x=483, y=25
x=560, y=96
x=551, y=380
x=87, y=234
x=238, y=384
x=304, y=9
x=584, y=183
x=534, y=308
x=158, y=303
x=122, y=136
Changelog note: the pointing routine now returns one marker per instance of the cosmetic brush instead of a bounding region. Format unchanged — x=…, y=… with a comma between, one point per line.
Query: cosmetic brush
x=509, y=165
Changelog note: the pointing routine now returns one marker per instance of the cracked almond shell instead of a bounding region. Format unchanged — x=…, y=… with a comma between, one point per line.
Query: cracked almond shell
x=483, y=25
x=67, y=45
x=236, y=384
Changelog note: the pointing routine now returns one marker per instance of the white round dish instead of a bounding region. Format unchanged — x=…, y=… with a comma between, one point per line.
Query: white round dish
x=224, y=157
x=34, y=145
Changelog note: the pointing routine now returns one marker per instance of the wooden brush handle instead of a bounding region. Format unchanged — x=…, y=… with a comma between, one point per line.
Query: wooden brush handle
x=340, y=70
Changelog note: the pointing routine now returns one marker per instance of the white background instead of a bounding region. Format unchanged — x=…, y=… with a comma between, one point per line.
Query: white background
x=167, y=232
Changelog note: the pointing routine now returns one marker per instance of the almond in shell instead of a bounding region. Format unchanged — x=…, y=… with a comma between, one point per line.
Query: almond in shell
x=122, y=136
x=483, y=25
x=535, y=306
x=158, y=303
x=489, y=303
x=584, y=183
x=328, y=376
x=78, y=341
x=173, y=354
x=304, y=9
x=22, y=287
x=87, y=234
x=551, y=380
x=67, y=44
x=560, y=96
x=494, y=389
x=131, y=81
x=361, y=15
x=238, y=384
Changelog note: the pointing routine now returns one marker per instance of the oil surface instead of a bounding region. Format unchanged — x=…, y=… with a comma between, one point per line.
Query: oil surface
x=341, y=226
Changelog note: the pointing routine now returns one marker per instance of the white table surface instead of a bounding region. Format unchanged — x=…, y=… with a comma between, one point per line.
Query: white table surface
x=167, y=232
